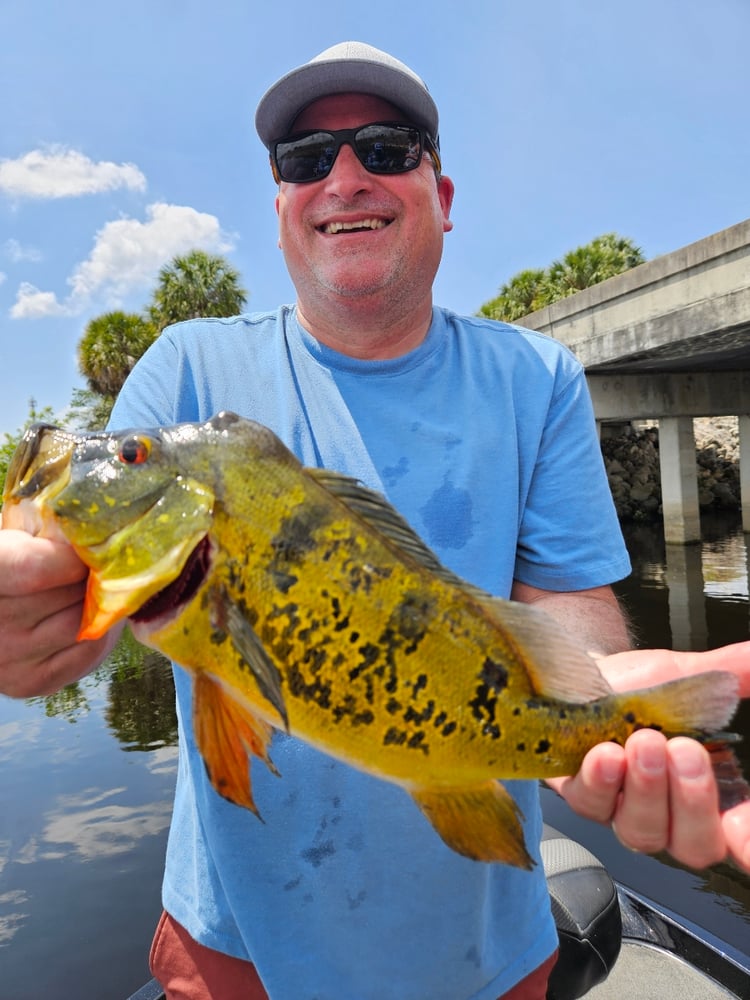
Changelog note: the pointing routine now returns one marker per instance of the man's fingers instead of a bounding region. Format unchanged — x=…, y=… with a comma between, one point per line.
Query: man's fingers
x=697, y=838
x=594, y=791
x=641, y=820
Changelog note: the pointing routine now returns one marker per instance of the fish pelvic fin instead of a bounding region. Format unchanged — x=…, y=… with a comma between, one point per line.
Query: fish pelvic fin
x=482, y=822
x=227, y=734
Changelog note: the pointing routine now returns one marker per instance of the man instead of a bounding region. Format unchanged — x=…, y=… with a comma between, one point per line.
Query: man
x=482, y=436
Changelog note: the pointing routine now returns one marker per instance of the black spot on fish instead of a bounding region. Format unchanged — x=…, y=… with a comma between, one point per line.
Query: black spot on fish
x=316, y=691
x=449, y=728
x=483, y=704
x=284, y=581
x=412, y=715
x=542, y=746
x=629, y=717
x=520, y=747
x=417, y=742
x=494, y=675
x=440, y=718
x=419, y=685
x=348, y=710
x=394, y=737
x=393, y=706
x=409, y=622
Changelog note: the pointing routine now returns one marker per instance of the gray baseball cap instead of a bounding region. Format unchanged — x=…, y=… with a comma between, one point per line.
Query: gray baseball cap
x=349, y=67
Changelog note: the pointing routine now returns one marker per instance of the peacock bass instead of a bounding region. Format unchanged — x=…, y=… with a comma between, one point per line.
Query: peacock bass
x=300, y=600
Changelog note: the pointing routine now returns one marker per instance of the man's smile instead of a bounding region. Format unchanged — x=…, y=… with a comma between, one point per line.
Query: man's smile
x=332, y=228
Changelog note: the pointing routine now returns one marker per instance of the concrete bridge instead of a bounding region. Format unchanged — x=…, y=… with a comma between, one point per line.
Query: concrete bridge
x=669, y=340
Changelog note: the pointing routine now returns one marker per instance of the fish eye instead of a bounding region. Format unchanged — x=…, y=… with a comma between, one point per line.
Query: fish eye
x=134, y=450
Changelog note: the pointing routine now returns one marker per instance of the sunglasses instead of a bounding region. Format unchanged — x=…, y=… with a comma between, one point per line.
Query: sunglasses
x=381, y=148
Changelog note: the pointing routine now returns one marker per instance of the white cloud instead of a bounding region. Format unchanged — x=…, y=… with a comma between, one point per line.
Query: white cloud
x=58, y=172
x=16, y=252
x=32, y=304
x=126, y=258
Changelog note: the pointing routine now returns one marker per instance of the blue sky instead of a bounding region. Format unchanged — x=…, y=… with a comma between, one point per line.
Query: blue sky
x=126, y=137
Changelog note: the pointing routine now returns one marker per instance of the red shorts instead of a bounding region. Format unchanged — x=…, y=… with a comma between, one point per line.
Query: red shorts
x=191, y=971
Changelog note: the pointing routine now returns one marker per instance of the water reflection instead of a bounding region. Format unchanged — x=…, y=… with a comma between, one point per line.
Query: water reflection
x=83, y=829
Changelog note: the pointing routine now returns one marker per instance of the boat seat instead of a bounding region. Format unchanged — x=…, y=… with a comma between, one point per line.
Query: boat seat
x=586, y=911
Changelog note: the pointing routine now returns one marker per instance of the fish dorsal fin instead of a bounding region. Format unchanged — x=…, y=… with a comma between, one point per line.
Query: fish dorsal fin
x=373, y=508
x=557, y=665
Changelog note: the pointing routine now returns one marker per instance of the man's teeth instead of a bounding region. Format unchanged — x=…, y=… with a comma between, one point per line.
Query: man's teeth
x=345, y=227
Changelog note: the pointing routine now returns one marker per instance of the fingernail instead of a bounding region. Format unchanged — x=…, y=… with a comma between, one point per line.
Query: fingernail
x=651, y=759
x=690, y=762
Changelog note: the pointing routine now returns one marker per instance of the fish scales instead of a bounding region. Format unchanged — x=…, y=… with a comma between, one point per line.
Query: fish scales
x=300, y=600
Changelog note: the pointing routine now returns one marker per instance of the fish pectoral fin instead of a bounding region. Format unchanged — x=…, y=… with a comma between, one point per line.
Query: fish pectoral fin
x=226, y=734
x=482, y=822
x=226, y=615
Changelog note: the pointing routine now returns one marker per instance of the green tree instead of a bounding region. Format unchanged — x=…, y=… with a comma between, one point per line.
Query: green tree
x=198, y=284
x=107, y=352
x=602, y=258
x=598, y=260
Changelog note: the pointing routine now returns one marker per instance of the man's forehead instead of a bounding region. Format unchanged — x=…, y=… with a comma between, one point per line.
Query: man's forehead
x=366, y=107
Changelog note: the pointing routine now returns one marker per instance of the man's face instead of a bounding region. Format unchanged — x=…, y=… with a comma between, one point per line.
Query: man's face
x=357, y=235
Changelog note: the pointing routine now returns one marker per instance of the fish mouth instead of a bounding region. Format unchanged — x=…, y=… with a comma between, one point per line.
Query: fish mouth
x=181, y=590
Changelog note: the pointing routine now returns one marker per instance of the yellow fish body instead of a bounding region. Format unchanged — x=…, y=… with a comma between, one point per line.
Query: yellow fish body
x=300, y=600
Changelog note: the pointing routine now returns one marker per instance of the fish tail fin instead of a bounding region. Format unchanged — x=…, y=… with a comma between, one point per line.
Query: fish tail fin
x=730, y=781
x=700, y=706
x=482, y=822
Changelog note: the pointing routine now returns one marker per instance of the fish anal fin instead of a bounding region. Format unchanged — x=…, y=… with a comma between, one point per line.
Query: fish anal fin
x=481, y=822
x=226, y=734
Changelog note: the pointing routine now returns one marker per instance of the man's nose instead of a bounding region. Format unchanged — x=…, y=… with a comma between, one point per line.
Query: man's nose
x=347, y=173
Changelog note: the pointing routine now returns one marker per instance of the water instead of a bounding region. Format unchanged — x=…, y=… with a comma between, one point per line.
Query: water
x=86, y=782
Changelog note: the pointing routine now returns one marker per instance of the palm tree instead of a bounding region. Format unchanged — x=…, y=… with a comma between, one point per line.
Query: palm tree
x=600, y=259
x=523, y=294
x=581, y=268
x=198, y=284
x=110, y=347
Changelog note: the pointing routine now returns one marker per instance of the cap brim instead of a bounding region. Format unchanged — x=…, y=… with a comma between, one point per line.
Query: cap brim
x=284, y=101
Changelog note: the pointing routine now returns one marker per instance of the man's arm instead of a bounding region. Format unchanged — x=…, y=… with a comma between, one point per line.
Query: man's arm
x=593, y=616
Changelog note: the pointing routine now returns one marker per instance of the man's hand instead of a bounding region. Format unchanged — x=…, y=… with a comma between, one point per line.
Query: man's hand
x=660, y=794
x=42, y=586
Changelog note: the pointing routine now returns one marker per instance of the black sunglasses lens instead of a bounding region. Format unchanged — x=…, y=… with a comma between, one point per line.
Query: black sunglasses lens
x=387, y=149
x=382, y=149
x=306, y=158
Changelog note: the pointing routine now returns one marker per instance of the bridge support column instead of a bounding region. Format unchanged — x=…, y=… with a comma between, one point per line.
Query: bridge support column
x=744, y=429
x=679, y=480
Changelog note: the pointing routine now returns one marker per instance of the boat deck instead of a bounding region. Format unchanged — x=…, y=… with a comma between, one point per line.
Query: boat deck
x=648, y=973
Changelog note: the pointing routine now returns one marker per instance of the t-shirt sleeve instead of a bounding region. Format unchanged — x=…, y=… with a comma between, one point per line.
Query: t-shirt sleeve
x=570, y=537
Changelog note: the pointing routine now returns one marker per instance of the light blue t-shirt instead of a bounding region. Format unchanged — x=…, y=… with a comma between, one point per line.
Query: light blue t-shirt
x=484, y=439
